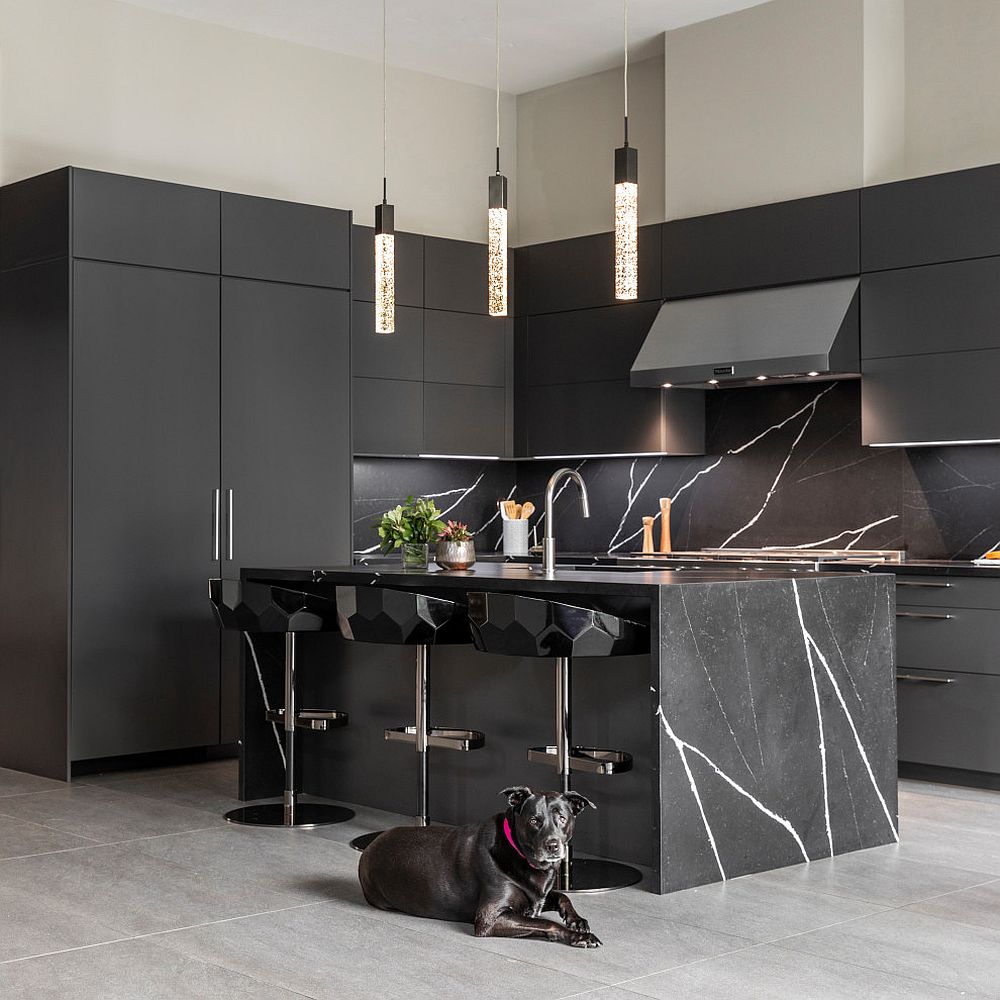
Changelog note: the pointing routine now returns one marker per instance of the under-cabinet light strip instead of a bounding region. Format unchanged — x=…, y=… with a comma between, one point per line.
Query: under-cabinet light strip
x=931, y=444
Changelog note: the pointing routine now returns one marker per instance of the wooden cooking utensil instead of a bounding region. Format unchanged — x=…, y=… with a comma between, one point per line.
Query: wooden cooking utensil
x=527, y=510
x=647, y=535
x=665, y=524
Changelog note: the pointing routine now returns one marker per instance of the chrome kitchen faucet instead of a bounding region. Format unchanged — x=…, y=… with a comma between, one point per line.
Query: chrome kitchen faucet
x=549, y=541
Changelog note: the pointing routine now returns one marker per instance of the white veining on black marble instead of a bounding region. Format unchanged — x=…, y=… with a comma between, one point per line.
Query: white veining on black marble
x=633, y=495
x=682, y=746
x=857, y=532
x=811, y=643
x=746, y=666
x=263, y=694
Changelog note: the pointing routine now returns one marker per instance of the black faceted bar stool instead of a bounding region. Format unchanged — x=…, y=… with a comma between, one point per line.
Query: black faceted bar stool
x=512, y=625
x=402, y=618
x=262, y=608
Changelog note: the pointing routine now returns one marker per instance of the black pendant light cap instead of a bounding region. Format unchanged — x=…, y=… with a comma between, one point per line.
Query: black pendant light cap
x=385, y=223
x=498, y=191
x=626, y=165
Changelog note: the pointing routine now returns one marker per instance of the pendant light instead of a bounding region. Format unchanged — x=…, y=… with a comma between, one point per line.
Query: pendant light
x=385, y=249
x=626, y=204
x=497, y=259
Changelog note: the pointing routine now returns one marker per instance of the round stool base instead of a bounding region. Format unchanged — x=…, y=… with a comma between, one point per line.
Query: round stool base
x=594, y=875
x=307, y=815
x=360, y=843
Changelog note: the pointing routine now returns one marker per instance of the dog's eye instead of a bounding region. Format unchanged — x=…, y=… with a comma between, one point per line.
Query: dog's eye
x=561, y=820
x=536, y=822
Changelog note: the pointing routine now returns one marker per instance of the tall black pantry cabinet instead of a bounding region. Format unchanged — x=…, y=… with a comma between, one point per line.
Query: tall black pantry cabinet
x=174, y=403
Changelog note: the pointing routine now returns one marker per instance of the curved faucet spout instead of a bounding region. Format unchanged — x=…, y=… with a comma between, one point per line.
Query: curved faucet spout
x=549, y=540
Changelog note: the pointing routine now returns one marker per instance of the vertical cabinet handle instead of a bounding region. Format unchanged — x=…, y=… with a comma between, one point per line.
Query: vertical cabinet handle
x=216, y=511
x=229, y=507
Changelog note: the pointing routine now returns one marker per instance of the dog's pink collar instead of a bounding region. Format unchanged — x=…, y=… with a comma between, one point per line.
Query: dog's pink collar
x=510, y=840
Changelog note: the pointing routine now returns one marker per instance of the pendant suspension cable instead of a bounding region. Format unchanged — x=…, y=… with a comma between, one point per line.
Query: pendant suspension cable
x=385, y=90
x=498, y=86
x=625, y=25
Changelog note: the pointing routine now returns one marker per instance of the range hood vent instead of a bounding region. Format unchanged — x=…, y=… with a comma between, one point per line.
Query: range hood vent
x=795, y=333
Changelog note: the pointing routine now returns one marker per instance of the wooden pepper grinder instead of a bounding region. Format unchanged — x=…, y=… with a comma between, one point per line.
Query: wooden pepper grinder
x=665, y=545
x=647, y=535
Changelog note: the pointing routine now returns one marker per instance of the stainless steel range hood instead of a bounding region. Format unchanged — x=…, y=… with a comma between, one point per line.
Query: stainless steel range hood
x=796, y=333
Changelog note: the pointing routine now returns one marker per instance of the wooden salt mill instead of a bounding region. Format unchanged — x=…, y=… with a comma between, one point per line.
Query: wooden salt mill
x=665, y=545
x=647, y=535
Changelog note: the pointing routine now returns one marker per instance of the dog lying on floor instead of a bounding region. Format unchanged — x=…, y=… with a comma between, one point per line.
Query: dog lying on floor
x=498, y=875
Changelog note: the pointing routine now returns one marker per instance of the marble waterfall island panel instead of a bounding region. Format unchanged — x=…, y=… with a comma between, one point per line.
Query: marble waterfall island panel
x=776, y=714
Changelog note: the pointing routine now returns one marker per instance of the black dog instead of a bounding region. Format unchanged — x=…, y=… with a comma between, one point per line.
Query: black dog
x=497, y=875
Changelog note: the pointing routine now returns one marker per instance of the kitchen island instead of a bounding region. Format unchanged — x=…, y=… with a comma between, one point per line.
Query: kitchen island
x=762, y=722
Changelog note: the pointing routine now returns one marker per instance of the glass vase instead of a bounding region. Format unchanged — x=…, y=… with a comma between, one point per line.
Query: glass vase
x=415, y=556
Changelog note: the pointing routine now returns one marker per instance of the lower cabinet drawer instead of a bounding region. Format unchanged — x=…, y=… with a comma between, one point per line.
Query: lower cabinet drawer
x=947, y=638
x=955, y=591
x=949, y=719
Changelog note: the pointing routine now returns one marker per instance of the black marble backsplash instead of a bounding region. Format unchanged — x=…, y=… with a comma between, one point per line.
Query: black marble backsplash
x=785, y=466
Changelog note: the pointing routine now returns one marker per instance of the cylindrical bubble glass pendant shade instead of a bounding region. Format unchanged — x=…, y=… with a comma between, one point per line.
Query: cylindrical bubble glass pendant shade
x=385, y=270
x=626, y=223
x=497, y=252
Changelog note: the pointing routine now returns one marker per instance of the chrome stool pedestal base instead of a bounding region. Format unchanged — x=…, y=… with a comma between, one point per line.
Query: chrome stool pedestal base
x=594, y=875
x=360, y=843
x=306, y=815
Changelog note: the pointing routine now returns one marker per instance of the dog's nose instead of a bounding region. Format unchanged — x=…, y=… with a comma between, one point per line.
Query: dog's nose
x=552, y=844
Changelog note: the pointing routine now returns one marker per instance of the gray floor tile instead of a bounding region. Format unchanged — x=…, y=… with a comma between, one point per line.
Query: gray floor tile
x=296, y=866
x=953, y=844
x=908, y=786
x=911, y=945
x=19, y=838
x=881, y=875
x=331, y=953
x=17, y=783
x=979, y=813
x=365, y=821
x=979, y=906
x=122, y=887
x=105, y=815
x=767, y=972
x=750, y=908
x=127, y=971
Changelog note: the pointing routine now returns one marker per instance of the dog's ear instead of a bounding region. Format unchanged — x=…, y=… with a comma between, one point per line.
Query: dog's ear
x=578, y=802
x=517, y=796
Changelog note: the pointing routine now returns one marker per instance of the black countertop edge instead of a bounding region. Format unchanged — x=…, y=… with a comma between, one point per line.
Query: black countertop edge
x=503, y=576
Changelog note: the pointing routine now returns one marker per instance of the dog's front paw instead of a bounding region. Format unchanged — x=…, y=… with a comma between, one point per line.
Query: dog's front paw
x=577, y=923
x=584, y=940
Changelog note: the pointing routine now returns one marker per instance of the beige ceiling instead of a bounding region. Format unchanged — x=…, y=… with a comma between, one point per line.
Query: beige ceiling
x=543, y=41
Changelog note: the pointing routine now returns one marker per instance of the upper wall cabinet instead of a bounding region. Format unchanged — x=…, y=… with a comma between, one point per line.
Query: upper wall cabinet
x=464, y=349
x=34, y=219
x=409, y=254
x=579, y=273
x=808, y=239
x=399, y=355
x=284, y=241
x=455, y=275
x=951, y=216
x=129, y=220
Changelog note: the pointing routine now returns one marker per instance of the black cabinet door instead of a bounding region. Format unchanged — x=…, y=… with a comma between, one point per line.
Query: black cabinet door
x=34, y=219
x=932, y=309
x=137, y=221
x=286, y=432
x=455, y=275
x=949, y=216
x=463, y=420
x=285, y=241
x=808, y=239
x=579, y=273
x=930, y=398
x=464, y=348
x=397, y=355
x=388, y=416
x=409, y=257
x=145, y=647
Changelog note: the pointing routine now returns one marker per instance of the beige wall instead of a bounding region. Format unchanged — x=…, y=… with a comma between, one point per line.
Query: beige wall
x=102, y=84
x=566, y=137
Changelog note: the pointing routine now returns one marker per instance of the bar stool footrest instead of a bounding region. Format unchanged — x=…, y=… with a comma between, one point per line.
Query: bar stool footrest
x=444, y=739
x=310, y=718
x=593, y=760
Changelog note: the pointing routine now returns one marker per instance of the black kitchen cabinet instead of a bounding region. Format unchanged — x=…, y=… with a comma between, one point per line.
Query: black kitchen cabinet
x=586, y=345
x=463, y=348
x=388, y=416
x=134, y=397
x=455, y=275
x=397, y=355
x=409, y=258
x=928, y=220
x=463, y=420
x=285, y=414
x=807, y=239
x=936, y=309
x=131, y=220
x=145, y=647
x=578, y=273
x=600, y=418
x=283, y=241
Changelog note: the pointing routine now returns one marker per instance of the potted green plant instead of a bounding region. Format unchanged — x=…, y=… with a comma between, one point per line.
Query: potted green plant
x=411, y=527
x=455, y=547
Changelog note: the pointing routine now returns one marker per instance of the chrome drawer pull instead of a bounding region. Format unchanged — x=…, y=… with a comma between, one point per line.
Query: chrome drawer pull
x=920, y=583
x=924, y=614
x=917, y=679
